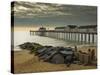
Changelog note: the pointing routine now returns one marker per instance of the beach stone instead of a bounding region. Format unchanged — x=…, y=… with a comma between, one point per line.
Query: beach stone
x=57, y=59
x=93, y=55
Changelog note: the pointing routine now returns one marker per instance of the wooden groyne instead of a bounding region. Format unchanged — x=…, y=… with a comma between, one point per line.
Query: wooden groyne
x=86, y=58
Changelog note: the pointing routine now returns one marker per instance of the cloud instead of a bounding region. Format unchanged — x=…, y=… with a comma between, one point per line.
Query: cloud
x=27, y=9
x=31, y=10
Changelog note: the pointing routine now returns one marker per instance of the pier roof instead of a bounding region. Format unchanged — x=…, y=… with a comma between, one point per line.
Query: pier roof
x=60, y=27
x=88, y=26
x=72, y=26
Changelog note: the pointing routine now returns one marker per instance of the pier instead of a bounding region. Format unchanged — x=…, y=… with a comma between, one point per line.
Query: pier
x=82, y=37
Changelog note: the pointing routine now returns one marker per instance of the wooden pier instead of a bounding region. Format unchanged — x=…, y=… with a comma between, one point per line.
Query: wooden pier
x=81, y=37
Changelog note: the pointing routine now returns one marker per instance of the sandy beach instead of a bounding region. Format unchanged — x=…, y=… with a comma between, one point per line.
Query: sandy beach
x=24, y=62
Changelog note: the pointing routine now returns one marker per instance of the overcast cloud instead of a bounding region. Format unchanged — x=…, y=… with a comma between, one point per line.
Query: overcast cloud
x=56, y=14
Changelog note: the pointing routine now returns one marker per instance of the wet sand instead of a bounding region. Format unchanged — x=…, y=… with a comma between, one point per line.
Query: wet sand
x=25, y=63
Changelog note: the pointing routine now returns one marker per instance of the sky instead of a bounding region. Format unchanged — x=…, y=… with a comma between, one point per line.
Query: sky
x=29, y=14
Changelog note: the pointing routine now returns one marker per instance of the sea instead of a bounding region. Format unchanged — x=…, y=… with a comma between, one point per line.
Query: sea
x=21, y=37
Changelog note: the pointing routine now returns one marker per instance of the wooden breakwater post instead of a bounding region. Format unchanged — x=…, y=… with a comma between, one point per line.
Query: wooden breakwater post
x=86, y=58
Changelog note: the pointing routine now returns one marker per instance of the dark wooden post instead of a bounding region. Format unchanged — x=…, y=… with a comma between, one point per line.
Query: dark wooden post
x=89, y=57
x=49, y=35
x=57, y=35
x=81, y=37
x=89, y=38
x=72, y=38
x=69, y=36
x=81, y=57
x=75, y=48
x=64, y=36
x=78, y=37
x=92, y=38
x=85, y=38
x=93, y=54
x=75, y=37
